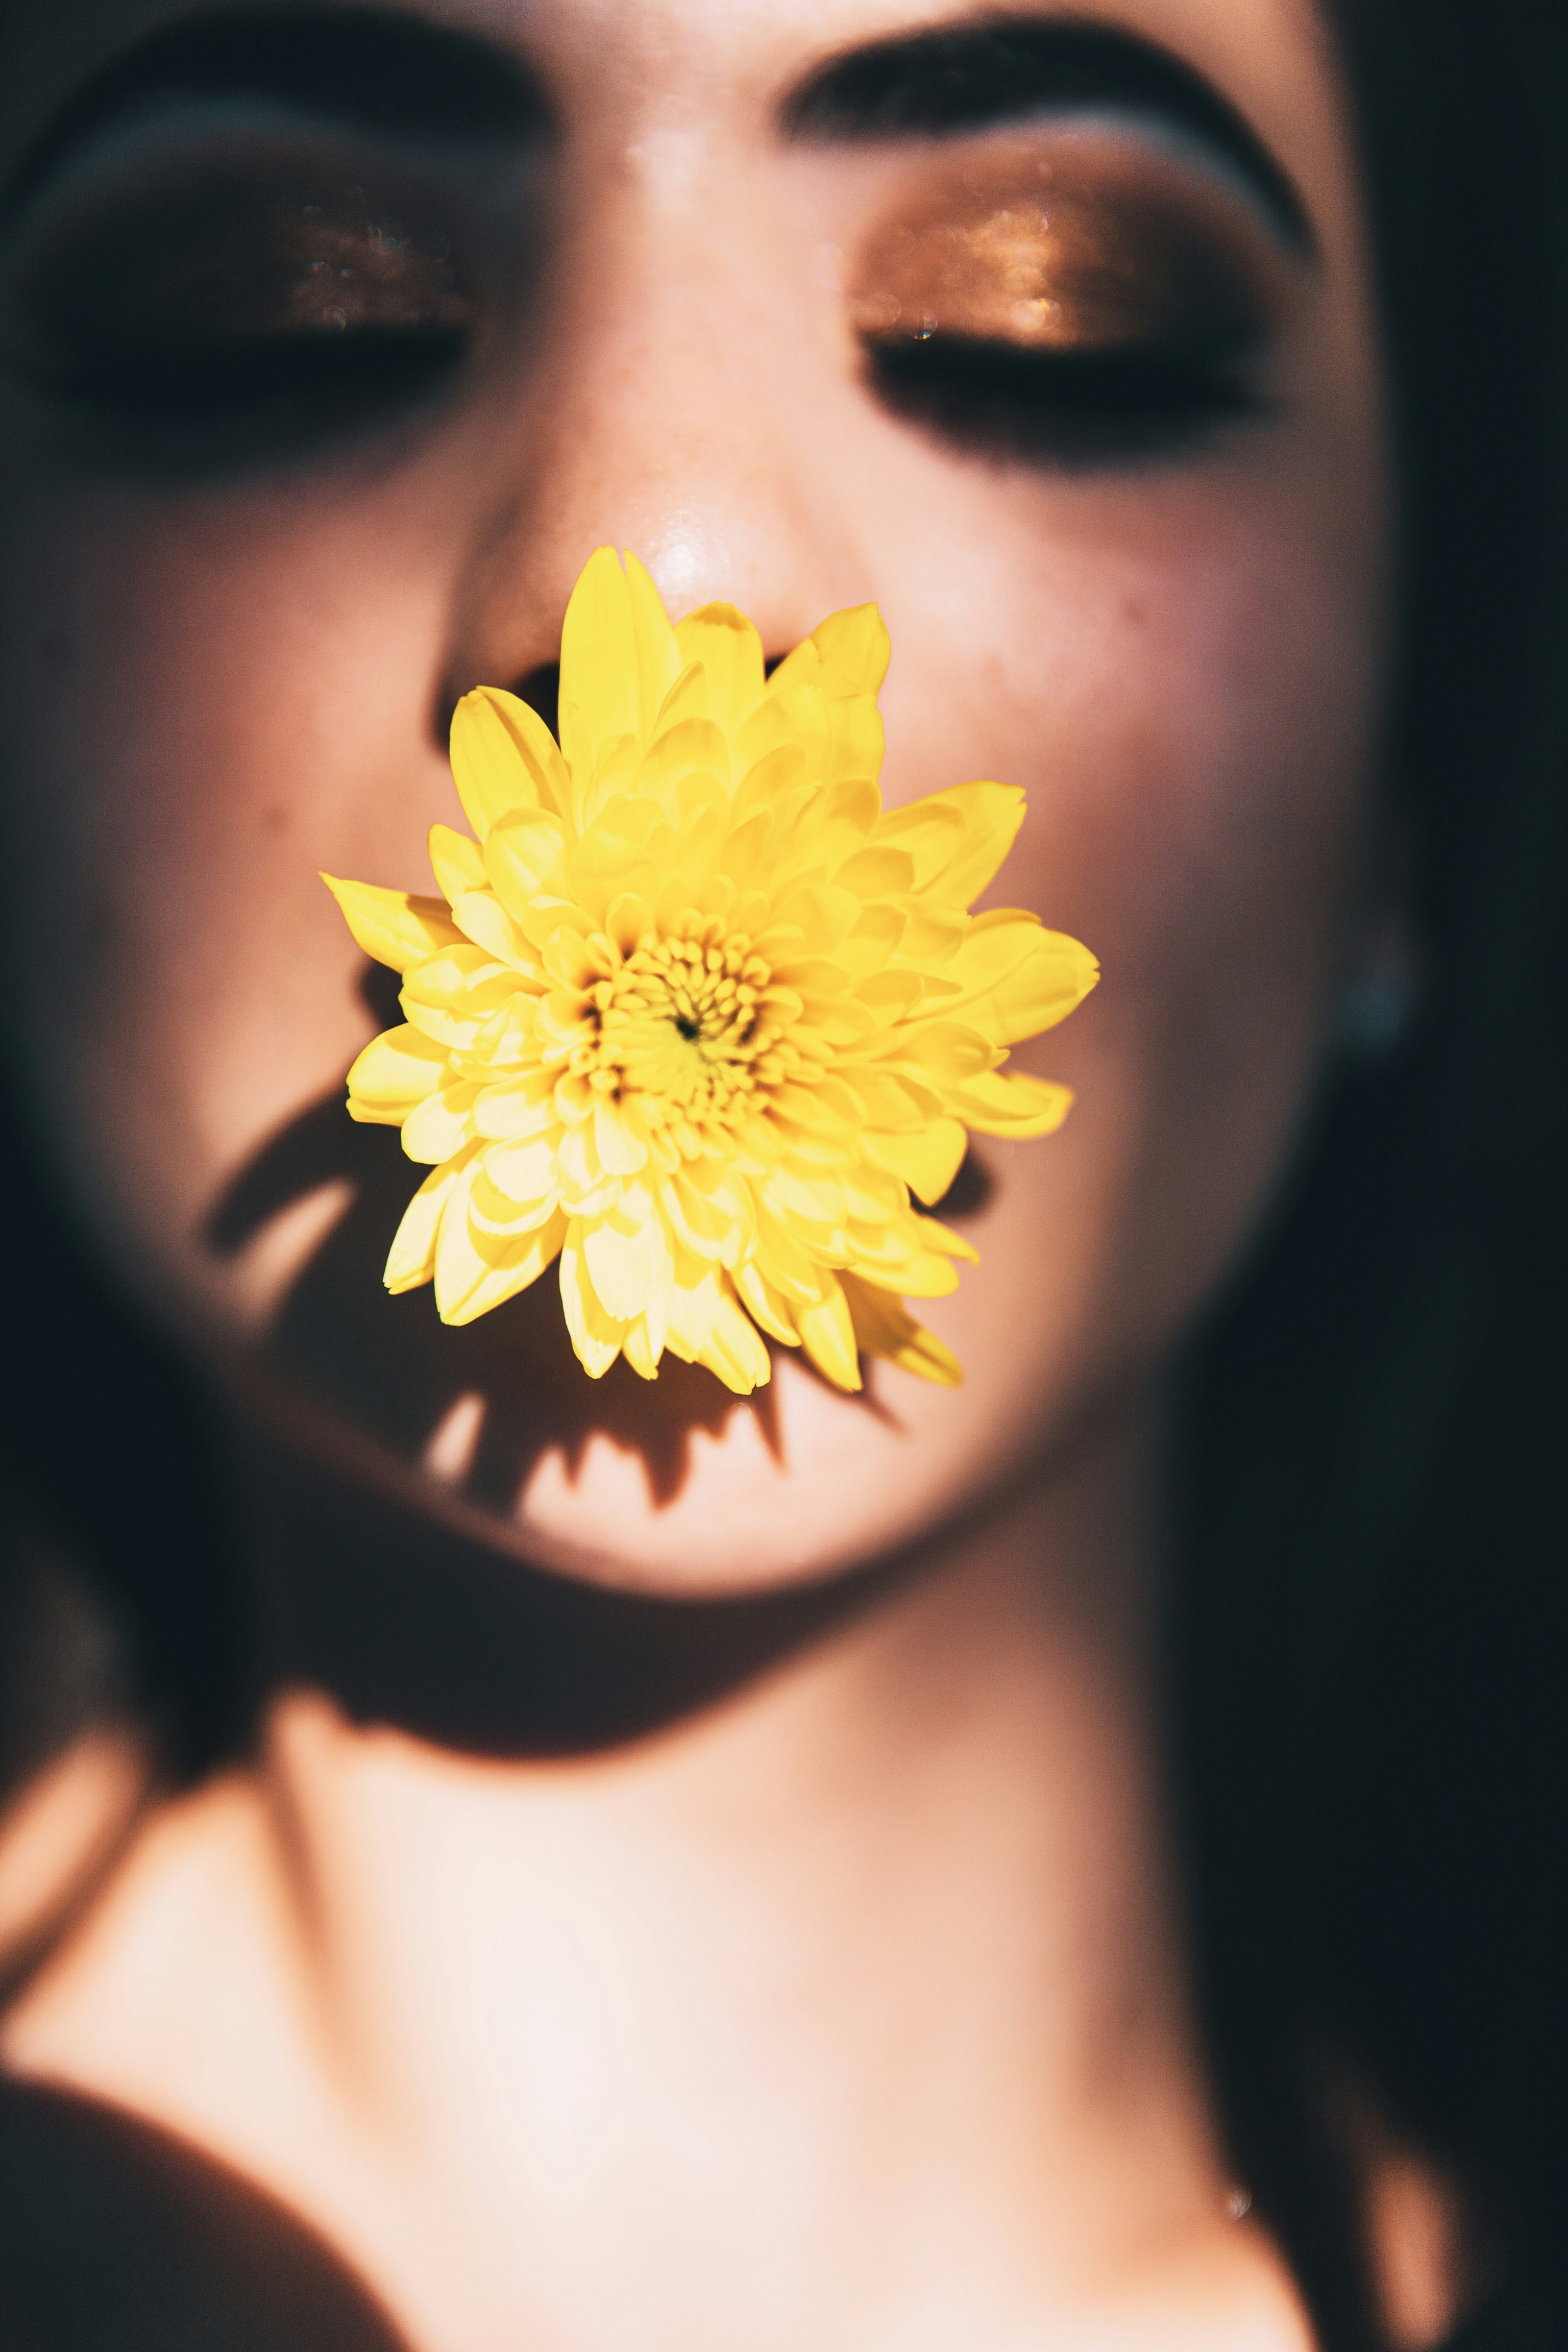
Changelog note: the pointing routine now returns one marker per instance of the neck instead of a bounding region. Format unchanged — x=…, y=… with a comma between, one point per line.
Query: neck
x=857, y=1988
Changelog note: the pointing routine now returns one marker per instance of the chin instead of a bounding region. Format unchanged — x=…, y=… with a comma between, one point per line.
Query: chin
x=677, y=1486
x=794, y=1483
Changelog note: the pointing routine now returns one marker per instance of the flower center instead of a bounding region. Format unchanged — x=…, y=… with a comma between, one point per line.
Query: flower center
x=684, y=1023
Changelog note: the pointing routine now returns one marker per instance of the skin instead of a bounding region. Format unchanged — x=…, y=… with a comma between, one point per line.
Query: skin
x=218, y=685
x=1178, y=663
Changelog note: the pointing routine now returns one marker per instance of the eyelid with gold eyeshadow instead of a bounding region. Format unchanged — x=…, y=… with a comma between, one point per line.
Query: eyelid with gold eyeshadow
x=1081, y=243
x=1097, y=273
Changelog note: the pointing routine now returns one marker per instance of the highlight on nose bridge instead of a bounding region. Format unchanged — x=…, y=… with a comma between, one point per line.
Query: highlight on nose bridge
x=695, y=1015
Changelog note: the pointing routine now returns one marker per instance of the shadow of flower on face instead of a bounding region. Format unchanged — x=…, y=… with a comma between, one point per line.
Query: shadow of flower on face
x=399, y=1375
x=425, y=1633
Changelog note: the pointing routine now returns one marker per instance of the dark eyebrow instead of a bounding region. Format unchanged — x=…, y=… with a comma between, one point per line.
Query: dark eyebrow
x=951, y=79
x=373, y=69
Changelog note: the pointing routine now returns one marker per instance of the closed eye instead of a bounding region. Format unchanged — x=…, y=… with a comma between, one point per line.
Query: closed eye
x=257, y=230
x=1087, y=293
x=1072, y=410
x=247, y=268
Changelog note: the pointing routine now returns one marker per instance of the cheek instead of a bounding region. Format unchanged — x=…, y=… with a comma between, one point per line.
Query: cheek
x=207, y=709
x=1187, y=678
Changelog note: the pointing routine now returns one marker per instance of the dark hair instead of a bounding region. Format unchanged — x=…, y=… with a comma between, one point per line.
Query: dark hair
x=1371, y=1627
x=1373, y=1638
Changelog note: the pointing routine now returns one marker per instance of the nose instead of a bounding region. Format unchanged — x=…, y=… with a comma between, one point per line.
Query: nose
x=663, y=406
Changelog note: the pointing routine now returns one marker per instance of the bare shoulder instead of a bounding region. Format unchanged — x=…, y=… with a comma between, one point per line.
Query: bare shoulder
x=115, y=2233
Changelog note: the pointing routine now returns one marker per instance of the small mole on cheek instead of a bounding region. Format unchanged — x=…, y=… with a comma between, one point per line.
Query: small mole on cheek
x=275, y=818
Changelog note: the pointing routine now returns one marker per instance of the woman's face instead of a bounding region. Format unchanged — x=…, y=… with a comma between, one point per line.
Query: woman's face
x=336, y=341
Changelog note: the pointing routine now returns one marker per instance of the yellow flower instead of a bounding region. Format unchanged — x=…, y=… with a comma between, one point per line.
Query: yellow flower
x=695, y=1014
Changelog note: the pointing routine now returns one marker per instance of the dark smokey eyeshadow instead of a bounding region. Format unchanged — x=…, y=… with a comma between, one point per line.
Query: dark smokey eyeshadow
x=216, y=281
x=224, y=264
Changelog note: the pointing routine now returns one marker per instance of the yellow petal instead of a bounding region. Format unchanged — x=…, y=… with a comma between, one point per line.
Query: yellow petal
x=449, y=996
x=803, y=1198
x=687, y=699
x=827, y=1334
x=876, y=873
x=504, y=758
x=787, y=1266
x=731, y=653
x=621, y=852
x=626, y=1262
x=514, y=1109
x=887, y=1100
x=766, y=1304
x=936, y=1235
x=480, y=917
x=931, y=831
x=928, y=1276
x=873, y=1196
x=468, y=1282
x=883, y=1329
x=397, y=1071
x=709, y=1212
x=932, y=934
x=638, y=1350
x=708, y=1326
x=411, y=1261
x=890, y=995
x=596, y=1335
x=852, y=649
x=458, y=863
x=778, y=778
x=523, y=1171
x=956, y=868
x=441, y=1124
x=621, y=1149
x=793, y=711
x=612, y=778
x=691, y=746
x=619, y=659
x=1010, y=1103
x=525, y=858
x=927, y=1159
x=855, y=648
x=831, y=828
x=1017, y=978
x=393, y=927
x=943, y=1053
x=821, y=913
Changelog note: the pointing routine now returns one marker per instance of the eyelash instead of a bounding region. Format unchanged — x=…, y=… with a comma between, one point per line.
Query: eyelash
x=1070, y=411
x=223, y=337
x=354, y=369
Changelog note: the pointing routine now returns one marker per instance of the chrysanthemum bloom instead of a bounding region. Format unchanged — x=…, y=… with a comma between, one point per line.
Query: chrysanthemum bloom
x=695, y=1014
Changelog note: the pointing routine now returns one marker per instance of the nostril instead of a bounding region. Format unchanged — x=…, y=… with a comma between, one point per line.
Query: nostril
x=541, y=689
